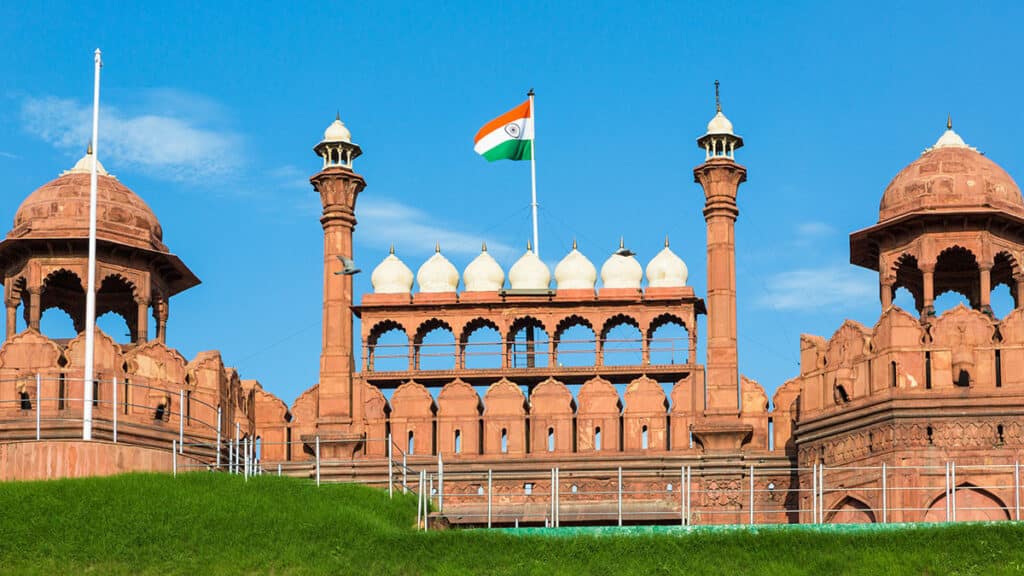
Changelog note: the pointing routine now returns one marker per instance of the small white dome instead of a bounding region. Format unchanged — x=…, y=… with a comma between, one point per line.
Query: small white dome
x=950, y=139
x=529, y=273
x=84, y=165
x=437, y=274
x=483, y=274
x=666, y=270
x=337, y=132
x=621, y=271
x=391, y=276
x=720, y=124
x=575, y=271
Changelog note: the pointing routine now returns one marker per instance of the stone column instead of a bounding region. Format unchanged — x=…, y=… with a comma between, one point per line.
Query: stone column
x=986, y=289
x=338, y=187
x=161, y=312
x=34, y=307
x=12, y=318
x=886, y=289
x=928, y=306
x=142, y=329
x=1019, y=297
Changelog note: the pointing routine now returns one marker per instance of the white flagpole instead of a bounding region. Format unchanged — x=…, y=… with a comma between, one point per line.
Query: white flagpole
x=90, y=292
x=533, y=174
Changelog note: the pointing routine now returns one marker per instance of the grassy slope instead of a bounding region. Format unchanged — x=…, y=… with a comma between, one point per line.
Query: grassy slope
x=206, y=523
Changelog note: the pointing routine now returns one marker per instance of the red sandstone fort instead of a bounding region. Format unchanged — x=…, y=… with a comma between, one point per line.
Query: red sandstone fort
x=517, y=418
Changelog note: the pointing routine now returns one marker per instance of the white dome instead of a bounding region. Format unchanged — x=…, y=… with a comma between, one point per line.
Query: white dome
x=529, y=273
x=621, y=271
x=720, y=124
x=391, y=276
x=84, y=165
x=483, y=274
x=337, y=132
x=950, y=139
x=575, y=271
x=437, y=274
x=666, y=270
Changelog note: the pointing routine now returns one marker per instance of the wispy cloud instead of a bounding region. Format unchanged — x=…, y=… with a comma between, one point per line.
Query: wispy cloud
x=383, y=222
x=810, y=289
x=814, y=229
x=9, y=155
x=168, y=141
x=291, y=177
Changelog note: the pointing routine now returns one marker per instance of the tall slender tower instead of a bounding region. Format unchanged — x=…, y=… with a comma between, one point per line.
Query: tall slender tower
x=339, y=186
x=720, y=176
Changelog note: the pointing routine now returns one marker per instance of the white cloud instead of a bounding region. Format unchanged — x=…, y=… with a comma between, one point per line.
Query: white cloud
x=289, y=176
x=9, y=155
x=809, y=289
x=383, y=222
x=170, y=144
x=814, y=229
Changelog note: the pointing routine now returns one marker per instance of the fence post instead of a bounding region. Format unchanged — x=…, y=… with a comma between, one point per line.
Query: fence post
x=689, y=503
x=885, y=497
x=318, y=460
x=405, y=475
x=419, y=498
x=440, y=483
x=219, y=418
x=113, y=407
x=181, y=419
x=430, y=493
x=952, y=469
x=682, y=495
x=278, y=469
x=558, y=496
x=1016, y=489
x=947, y=492
x=490, y=486
x=814, y=493
x=174, y=458
x=391, y=472
x=821, y=494
x=751, y=495
x=620, y=495
x=39, y=404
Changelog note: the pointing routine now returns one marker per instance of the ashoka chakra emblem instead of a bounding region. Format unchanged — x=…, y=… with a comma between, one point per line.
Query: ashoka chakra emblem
x=513, y=130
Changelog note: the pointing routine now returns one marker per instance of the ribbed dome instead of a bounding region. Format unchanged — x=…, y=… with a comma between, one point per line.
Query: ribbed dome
x=666, y=270
x=391, y=276
x=950, y=177
x=483, y=274
x=719, y=124
x=529, y=273
x=437, y=274
x=60, y=209
x=620, y=271
x=575, y=271
x=337, y=132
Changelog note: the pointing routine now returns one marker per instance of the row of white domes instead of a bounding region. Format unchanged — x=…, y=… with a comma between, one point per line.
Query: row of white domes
x=484, y=274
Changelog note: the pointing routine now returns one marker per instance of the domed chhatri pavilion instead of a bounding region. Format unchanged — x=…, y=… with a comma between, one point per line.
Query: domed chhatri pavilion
x=575, y=394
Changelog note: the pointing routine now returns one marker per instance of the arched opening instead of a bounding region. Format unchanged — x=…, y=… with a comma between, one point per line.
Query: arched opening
x=481, y=345
x=973, y=504
x=851, y=510
x=57, y=324
x=643, y=438
x=504, y=440
x=458, y=442
x=114, y=325
x=956, y=271
x=411, y=444
x=529, y=343
x=597, y=438
x=575, y=343
x=388, y=348
x=909, y=285
x=621, y=342
x=668, y=341
x=1002, y=299
x=435, y=346
x=551, y=439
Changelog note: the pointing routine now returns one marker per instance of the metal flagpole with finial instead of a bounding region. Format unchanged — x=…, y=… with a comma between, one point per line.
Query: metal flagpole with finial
x=533, y=173
x=90, y=291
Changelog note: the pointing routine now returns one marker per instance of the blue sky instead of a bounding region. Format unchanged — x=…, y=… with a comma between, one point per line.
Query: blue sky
x=211, y=111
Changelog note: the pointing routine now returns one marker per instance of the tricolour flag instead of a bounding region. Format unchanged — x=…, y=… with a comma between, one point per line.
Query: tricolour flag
x=507, y=137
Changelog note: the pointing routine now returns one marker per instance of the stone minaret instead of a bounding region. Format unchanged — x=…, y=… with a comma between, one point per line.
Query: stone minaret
x=338, y=185
x=721, y=176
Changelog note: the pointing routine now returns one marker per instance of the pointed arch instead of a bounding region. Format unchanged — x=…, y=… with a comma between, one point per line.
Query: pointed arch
x=973, y=504
x=850, y=510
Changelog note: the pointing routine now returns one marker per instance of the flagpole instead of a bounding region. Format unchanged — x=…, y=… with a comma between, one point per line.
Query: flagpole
x=90, y=292
x=533, y=174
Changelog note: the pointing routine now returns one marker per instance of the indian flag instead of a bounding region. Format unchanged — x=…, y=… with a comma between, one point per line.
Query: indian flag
x=507, y=137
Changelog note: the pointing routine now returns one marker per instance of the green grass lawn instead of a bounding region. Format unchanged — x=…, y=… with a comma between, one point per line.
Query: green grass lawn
x=217, y=524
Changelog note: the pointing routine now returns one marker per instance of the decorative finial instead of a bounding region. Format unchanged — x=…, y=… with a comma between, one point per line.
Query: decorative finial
x=718, y=100
x=622, y=243
x=574, y=243
x=437, y=247
x=528, y=247
x=949, y=121
x=666, y=240
x=392, y=251
x=483, y=247
x=530, y=93
x=337, y=115
x=88, y=149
